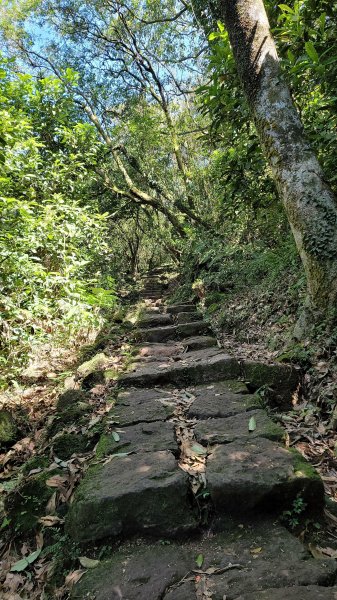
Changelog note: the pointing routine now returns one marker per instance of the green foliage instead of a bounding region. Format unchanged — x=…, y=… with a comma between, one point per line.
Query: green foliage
x=292, y=516
x=53, y=241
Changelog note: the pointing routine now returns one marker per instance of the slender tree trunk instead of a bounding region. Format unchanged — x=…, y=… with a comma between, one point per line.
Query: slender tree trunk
x=309, y=202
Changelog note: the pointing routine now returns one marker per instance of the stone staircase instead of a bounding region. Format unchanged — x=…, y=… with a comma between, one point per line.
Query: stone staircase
x=193, y=476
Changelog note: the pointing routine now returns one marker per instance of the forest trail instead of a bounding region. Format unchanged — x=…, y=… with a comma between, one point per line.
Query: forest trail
x=201, y=479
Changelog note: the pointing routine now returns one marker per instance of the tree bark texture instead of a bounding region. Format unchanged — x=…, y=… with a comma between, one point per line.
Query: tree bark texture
x=309, y=202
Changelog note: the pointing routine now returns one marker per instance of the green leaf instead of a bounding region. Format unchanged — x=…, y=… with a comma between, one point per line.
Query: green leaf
x=22, y=564
x=115, y=436
x=198, y=449
x=252, y=424
x=88, y=563
x=199, y=560
x=120, y=454
x=286, y=8
x=311, y=52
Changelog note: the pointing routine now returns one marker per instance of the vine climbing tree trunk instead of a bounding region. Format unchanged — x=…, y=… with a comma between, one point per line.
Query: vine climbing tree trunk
x=309, y=202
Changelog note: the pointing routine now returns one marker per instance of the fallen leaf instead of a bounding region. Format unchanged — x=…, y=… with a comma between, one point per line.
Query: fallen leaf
x=198, y=449
x=88, y=563
x=316, y=551
x=255, y=550
x=56, y=481
x=199, y=560
x=115, y=436
x=252, y=424
x=22, y=564
x=50, y=520
x=73, y=578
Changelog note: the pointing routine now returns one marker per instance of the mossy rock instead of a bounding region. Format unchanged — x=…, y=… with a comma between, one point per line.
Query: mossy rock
x=27, y=503
x=214, y=298
x=70, y=398
x=37, y=462
x=99, y=362
x=71, y=415
x=303, y=468
x=8, y=428
x=70, y=443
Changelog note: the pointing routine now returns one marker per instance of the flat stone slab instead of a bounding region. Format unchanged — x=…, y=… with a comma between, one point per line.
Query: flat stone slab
x=252, y=581
x=142, y=573
x=137, y=494
x=143, y=406
x=224, y=431
x=178, y=308
x=155, y=334
x=195, y=367
x=218, y=400
x=296, y=592
x=271, y=562
x=154, y=320
x=192, y=329
x=187, y=317
x=149, y=352
x=144, y=437
x=260, y=474
x=199, y=342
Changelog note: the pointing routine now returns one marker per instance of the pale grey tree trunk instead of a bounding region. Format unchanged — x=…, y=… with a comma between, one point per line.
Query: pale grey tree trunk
x=309, y=202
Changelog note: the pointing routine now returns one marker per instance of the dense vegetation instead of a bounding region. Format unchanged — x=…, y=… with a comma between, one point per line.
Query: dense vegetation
x=126, y=141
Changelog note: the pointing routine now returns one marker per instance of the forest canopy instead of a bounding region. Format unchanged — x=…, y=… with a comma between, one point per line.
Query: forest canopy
x=128, y=139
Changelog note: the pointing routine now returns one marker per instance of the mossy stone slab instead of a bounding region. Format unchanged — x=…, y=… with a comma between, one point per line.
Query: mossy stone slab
x=260, y=474
x=178, y=308
x=142, y=573
x=280, y=380
x=217, y=400
x=192, y=329
x=194, y=368
x=155, y=334
x=144, y=437
x=143, y=406
x=281, y=574
x=296, y=592
x=199, y=342
x=157, y=571
x=154, y=320
x=187, y=317
x=224, y=431
x=132, y=495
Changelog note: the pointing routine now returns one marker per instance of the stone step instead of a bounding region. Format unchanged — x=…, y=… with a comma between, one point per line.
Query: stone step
x=137, y=494
x=199, y=342
x=187, y=317
x=149, y=319
x=194, y=367
x=260, y=475
x=178, y=308
x=261, y=561
x=143, y=406
x=211, y=432
x=155, y=334
x=170, y=332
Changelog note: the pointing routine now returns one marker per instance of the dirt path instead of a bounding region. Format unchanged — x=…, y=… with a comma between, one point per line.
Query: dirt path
x=191, y=483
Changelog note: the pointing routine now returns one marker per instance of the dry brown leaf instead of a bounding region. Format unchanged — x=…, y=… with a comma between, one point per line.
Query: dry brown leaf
x=73, y=578
x=57, y=481
x=316, y=551
x=51, y=505
x=50, y=520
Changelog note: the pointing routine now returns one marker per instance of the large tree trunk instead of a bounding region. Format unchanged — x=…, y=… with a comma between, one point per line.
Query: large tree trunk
x=309, y=202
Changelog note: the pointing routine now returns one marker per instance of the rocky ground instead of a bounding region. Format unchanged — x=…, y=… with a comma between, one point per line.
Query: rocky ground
x=190, y=482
